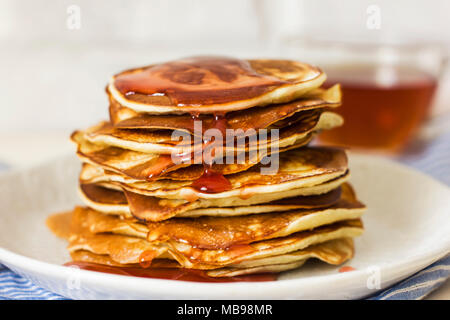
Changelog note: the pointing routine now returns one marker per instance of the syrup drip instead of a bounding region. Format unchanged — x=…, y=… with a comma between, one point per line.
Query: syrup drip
x=146, y=258
x=170, y=274
x=211, y=181
x=220, y=122
x=346, y=269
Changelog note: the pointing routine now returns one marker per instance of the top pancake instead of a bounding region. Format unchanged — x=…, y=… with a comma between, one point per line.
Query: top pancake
x=212, y=85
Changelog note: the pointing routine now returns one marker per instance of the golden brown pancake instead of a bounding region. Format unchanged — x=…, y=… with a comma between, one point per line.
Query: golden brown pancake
x=142, y=165
x=298, y=168
x=148, y=166
x=105, y=259
x=126, y=249
x=161, y=141
x=332, y=252
x=275, y=115
x=186, y=254
x=147, y=208
x=226, y=232
x=212, y=85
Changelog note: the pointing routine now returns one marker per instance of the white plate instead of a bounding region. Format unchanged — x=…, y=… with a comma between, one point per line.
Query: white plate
x=407, y=228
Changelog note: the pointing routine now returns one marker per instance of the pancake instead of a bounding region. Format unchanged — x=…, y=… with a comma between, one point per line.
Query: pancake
x=104, y=259
x=161, y=141
x=147, y=208
x=226, y=232
x=189, y=256
x=332, y=252
x=298, y=168
x=127, y=249
x=157, y=209
x=144, y=208
x=148, y=166
x=212, y=85
x=274, y=115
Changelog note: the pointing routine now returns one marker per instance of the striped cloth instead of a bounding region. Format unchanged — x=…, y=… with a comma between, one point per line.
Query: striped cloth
x=419, y=285
x=435, y=161
x=13, y=286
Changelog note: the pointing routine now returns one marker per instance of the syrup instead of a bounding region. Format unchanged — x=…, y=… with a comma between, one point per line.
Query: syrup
x=211, y=182
x=383, y=107
x=146, y=258
x=170, y=274
x=198, y=81
x=346, y=269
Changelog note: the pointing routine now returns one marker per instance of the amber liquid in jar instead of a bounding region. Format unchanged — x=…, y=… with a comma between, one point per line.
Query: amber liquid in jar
x=383, y=106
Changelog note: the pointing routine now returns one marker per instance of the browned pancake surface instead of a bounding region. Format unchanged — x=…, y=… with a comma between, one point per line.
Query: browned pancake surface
x=145, y=166
x=225, y=232
x=277, y=115
x=297, y=168
x=144, y=207
x=198, y=81
x=128, y=249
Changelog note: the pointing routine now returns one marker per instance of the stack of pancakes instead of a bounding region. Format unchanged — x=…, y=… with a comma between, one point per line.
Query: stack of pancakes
x=149, y=204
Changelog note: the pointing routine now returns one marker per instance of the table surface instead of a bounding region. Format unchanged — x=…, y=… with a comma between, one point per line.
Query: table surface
x=27, y=149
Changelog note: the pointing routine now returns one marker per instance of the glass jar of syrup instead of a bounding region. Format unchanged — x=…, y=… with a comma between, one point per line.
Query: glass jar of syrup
x=388, y=89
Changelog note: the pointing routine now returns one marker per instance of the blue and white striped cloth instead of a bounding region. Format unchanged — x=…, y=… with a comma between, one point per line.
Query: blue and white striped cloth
x=435, y=162
x=15, y=287
x=419, y=285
